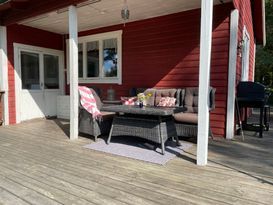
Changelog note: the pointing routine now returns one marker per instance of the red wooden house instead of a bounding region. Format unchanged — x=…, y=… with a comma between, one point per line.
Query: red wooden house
x=158, y=46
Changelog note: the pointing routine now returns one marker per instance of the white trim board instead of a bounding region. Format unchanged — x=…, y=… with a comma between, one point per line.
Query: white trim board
x=4, y=73
x=245, y=55
x=254, y=63
x=18, y=85
x=37, y=49
x=232, y=67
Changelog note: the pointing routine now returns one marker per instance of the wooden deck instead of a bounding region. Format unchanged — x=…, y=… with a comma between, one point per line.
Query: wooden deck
x=39, y=165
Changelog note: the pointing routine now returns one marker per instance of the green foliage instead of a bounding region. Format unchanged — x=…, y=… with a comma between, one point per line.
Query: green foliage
x=3, y=1
x=269, y=25
x=264, y=56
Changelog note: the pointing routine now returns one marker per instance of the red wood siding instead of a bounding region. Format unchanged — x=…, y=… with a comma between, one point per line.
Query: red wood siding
x=164, y=52
x=30, y=36
x=245, y=19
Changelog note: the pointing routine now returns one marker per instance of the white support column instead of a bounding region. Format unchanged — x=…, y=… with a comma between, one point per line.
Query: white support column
x=73, y=63
x=204, y=81
x=233, y=42
x=4, y=72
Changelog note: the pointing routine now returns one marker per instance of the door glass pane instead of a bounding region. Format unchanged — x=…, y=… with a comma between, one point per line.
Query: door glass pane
x=110, y=57
x=51, y=72
x=93, y=59
x=80, y=61
x=30, y=71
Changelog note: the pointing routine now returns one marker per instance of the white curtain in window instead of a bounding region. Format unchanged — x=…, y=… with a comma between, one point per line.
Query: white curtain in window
x=92, y=46
x=110, y=43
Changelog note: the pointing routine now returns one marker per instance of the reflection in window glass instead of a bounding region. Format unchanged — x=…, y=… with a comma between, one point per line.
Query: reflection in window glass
x=110, y=57
x=30, y=71
x=93, y=55
x=51, y=72
x=80, y=60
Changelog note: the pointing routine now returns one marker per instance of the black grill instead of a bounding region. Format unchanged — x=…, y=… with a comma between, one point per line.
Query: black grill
x=253, y=95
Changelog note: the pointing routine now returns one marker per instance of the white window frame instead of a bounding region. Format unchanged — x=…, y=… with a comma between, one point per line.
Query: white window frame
x=245, y=55
x=100, y=37
x=254, y=63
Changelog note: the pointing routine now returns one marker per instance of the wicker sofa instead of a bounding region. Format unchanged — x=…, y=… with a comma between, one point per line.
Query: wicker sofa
x=185, y=122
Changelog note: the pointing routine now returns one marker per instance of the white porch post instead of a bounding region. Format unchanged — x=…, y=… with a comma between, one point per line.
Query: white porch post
x=73, y=63
x=234, y=21
x=204, y=80
x=4, y=72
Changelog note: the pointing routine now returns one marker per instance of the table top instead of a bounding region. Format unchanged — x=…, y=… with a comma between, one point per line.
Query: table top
x=113, y=102
x=156, y=111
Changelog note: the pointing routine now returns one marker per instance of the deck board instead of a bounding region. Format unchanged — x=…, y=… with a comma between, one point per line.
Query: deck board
x=40, y=165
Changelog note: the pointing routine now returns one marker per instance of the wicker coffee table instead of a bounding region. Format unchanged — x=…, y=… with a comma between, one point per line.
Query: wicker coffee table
x=152, y=123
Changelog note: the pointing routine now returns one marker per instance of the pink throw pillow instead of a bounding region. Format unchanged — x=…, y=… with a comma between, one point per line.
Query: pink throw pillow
x=167, y=102
x=128, y=100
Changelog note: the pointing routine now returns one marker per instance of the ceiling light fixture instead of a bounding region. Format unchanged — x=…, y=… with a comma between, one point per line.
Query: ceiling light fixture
x=125, y=13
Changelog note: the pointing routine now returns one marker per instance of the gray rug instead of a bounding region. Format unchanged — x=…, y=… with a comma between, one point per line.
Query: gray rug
x=139, y=149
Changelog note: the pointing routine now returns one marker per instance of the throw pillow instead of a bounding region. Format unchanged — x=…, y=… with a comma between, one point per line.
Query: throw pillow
x=128, y=100
x=167, y=102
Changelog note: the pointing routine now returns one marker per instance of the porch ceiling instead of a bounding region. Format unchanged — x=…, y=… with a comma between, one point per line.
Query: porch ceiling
x=107, y=12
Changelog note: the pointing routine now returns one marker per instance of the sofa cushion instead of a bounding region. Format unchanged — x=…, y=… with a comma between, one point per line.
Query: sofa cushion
x=186, y=117
x=164, y=93
x=191, y=99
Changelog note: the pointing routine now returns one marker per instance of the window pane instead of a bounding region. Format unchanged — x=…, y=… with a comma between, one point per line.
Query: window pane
x=93, y=55
x=80, y=60
x=30, y=71
x=110, y=57
x=51, y=72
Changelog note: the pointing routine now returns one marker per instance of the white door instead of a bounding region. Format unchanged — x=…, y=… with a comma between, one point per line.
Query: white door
x=40, y=83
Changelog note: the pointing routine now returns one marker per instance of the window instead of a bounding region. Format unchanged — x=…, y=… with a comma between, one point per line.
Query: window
x=39, y=69
x=100, y=58
x=93, y=59
x=30, y=71
x=245, y=56
x=51, y=72
x=110, y=58
x=80, y=48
